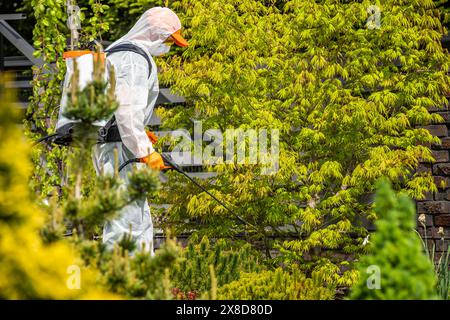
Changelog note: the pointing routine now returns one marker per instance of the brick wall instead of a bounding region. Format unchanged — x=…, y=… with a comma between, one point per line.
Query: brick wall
x=434, y=210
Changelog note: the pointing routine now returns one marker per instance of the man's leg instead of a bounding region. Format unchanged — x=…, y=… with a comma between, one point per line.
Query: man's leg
x=135, y=216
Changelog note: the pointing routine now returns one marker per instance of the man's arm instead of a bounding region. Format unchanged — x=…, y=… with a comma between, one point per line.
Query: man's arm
x=132, y=85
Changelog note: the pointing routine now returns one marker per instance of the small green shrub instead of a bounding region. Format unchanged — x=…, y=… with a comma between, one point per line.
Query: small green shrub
x=275, y=285
x=139, y=276
x=192, y=273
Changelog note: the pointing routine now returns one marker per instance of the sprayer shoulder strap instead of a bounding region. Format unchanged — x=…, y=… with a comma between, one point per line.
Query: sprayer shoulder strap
x=105, y=131
x=132, y=48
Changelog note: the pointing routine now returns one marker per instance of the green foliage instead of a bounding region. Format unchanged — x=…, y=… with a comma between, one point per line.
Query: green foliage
x=192, y=273
x=275, y=285
x=142, y=184
x=96, y=22
x=87, y=214
x=443, y=10
x=49, y=40
x=50, y=34
x=348, y=102
x=173, y=272
x=405, y=271
x=107, y=198
x=140, y=276
x=30, y=268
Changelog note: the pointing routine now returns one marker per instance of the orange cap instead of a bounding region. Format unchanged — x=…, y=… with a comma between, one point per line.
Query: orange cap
x=178, y=39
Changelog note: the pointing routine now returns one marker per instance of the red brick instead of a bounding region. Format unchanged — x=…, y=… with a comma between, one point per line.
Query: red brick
x=428, y=196
x=420, y=230
x=442, y=245
x=433, y=207
x=439, y=130
x=442, y=169
x=445, y=143
x=442, y=195
x=440, y=156
x=442, y=220
x=431, y=243
x=424, y=167
x=420, y=208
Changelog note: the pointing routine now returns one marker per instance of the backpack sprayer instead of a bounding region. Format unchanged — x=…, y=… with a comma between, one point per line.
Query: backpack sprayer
x=107, y=130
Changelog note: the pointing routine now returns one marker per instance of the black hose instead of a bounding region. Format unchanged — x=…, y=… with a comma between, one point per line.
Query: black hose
x=177, y=168
x=123, y=165
x=44, y=139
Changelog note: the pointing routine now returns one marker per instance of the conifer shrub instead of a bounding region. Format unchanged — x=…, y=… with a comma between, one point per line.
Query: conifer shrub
x=275, y=285
x=141, y=276
x=192, y=272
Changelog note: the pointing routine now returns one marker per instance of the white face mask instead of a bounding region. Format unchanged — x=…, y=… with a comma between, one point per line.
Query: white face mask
x=160, y=50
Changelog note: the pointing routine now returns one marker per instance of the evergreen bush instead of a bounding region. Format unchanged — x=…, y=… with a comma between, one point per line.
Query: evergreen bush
x=275, y=285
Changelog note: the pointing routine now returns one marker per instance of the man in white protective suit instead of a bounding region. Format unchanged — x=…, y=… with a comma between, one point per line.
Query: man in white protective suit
x=136, y=92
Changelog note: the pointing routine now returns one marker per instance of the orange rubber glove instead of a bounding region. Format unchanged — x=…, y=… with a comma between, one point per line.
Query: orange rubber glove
x=155, y=161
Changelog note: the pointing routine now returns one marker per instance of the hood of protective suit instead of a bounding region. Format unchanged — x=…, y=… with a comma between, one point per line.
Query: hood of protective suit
x=152, y=29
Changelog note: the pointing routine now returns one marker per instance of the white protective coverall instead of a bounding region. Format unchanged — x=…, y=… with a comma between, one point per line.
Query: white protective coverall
x=136, y=93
